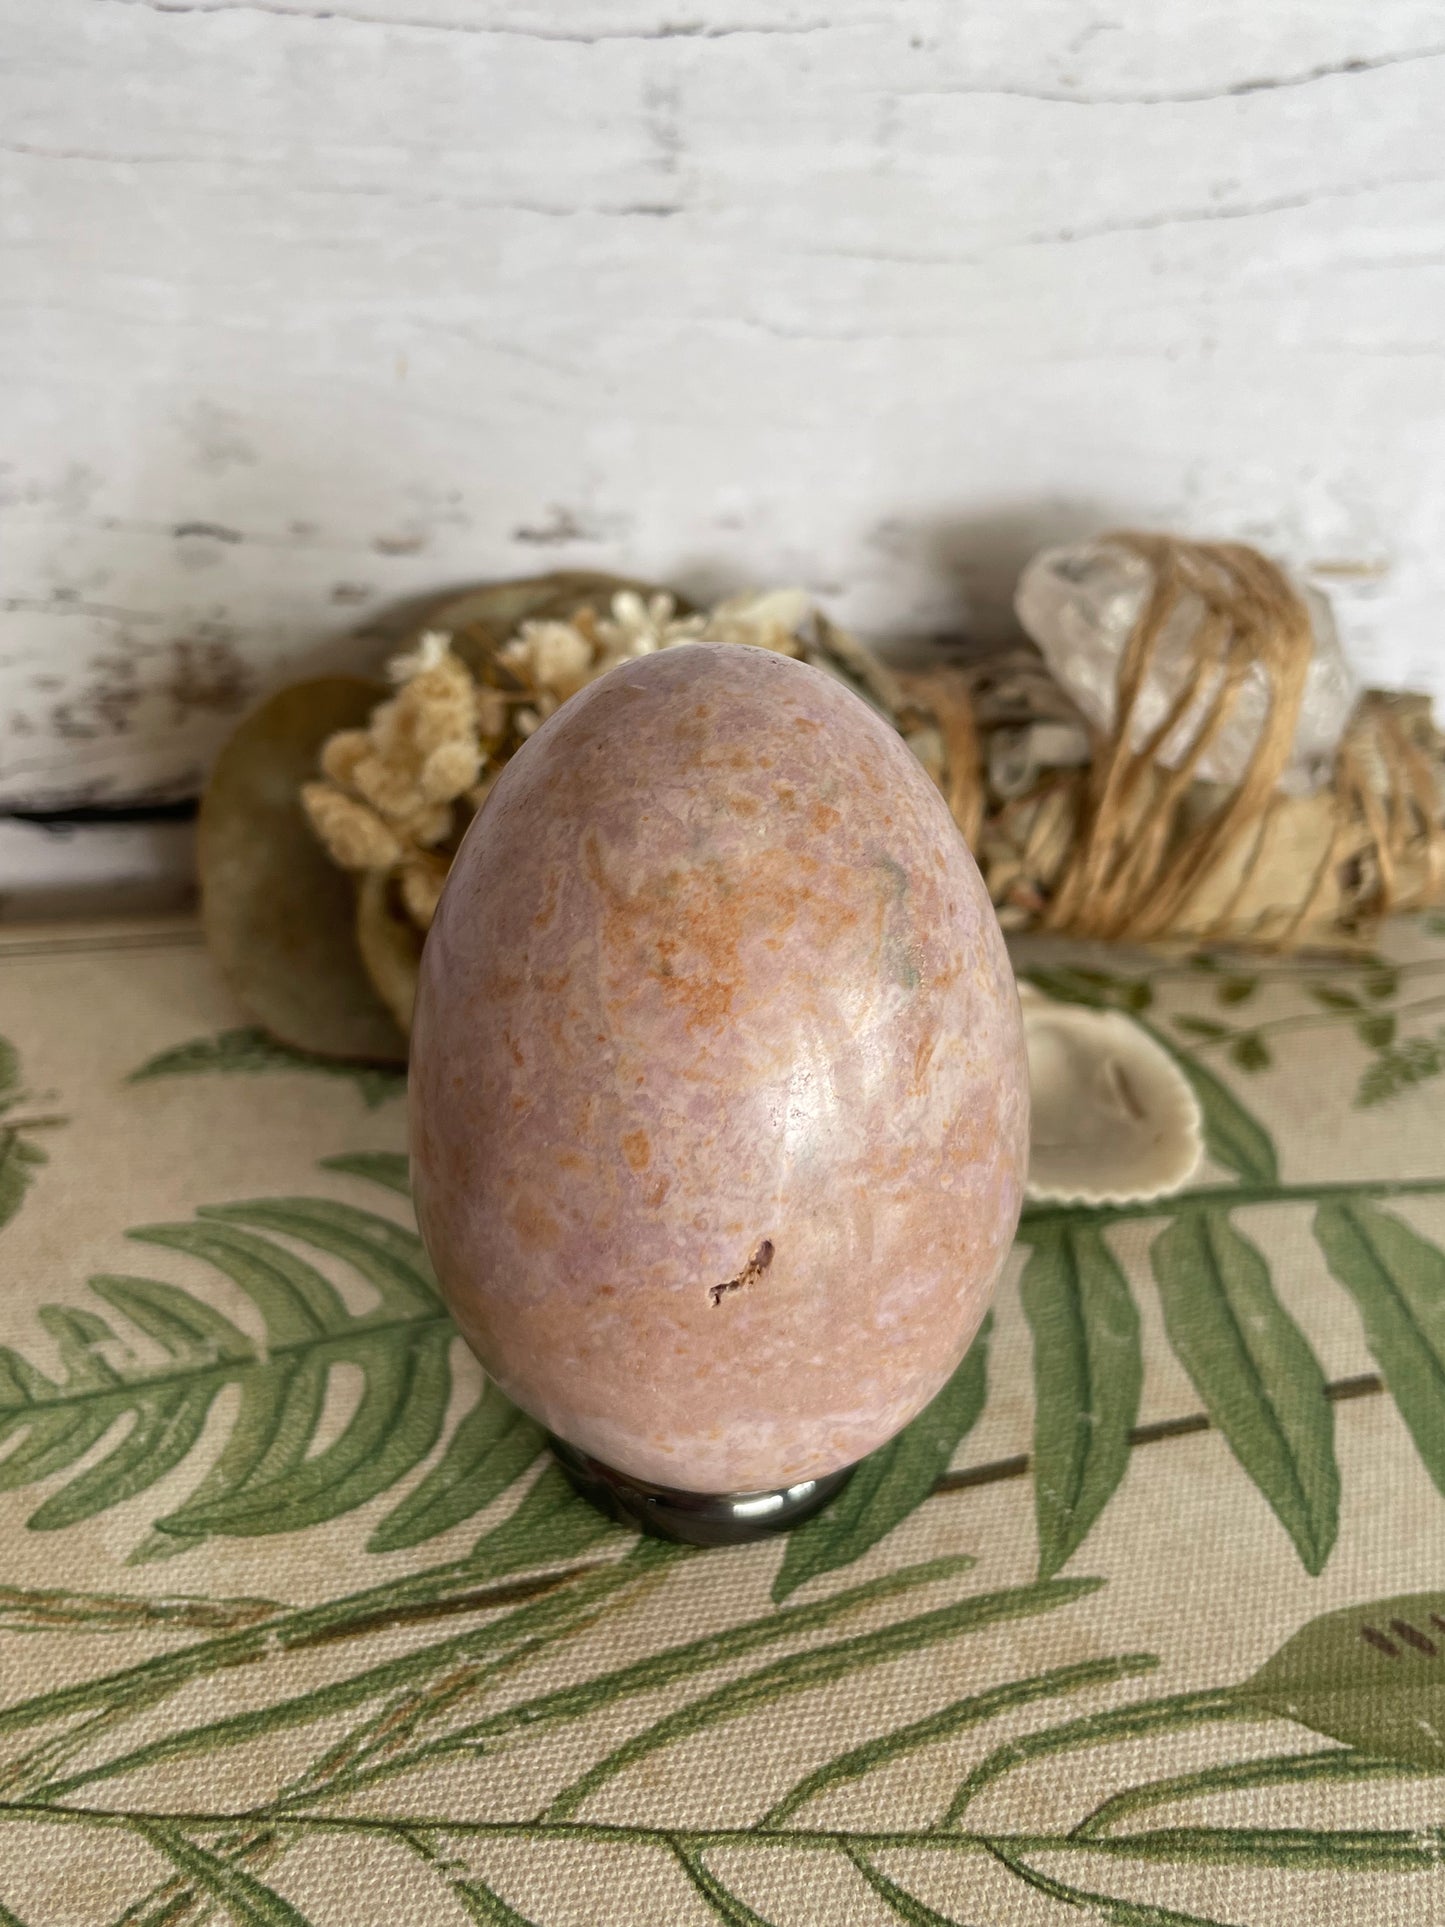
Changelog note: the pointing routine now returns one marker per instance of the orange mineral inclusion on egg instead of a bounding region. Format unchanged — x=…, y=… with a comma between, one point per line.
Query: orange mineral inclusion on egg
x=718, y=1087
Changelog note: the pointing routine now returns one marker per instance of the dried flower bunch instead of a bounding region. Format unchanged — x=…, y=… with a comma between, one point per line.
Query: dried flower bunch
x=386, y=800
x=394, y=798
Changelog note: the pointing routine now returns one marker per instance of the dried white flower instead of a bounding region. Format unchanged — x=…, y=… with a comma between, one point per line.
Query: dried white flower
x=451, y=768
x=638, y=628
x=354, y=834
x=341, y=753
x=395, y=794
x=558, y=657
x=431, y=649
x=771, y=620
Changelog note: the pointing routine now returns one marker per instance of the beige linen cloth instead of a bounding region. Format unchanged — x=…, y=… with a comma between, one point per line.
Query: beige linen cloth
x=1143, y=1621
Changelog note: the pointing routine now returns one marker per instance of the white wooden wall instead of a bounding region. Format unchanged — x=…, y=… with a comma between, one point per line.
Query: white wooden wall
x=308, y=306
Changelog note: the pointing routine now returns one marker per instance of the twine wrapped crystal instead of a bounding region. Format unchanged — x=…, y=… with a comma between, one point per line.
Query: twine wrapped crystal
x=1128, y=850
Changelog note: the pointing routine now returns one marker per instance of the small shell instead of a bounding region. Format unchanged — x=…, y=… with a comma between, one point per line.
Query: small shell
x=1114, y=1118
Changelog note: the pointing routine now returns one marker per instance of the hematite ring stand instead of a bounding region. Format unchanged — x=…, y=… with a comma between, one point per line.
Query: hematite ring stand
x=695, y=1518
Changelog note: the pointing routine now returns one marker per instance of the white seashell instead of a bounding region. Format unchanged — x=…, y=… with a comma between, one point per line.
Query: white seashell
x=1114, y=1118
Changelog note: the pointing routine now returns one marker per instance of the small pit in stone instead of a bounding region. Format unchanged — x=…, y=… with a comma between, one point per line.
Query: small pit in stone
x=750, y=1273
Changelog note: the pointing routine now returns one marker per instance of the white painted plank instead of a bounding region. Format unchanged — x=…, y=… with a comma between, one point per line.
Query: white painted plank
x=308, y=308
x=57, y=870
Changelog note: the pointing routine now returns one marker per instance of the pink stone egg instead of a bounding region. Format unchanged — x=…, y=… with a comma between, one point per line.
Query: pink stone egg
x=718, y=1087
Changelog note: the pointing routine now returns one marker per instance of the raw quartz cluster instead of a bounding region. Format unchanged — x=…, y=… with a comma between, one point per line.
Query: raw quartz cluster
x=1081, y=603
x=394, y=798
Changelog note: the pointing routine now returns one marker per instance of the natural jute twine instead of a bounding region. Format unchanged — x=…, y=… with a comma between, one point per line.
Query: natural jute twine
x=1137, y=861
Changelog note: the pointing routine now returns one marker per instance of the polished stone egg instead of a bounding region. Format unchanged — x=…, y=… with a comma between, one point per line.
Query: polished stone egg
x=718, y=1087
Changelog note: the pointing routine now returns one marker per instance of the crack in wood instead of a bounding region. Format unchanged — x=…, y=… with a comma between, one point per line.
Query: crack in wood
x=667, y=30
x=1185, y=97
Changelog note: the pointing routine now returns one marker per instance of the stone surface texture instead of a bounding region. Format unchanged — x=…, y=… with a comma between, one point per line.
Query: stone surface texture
x=719, y=1093
x=313, y=306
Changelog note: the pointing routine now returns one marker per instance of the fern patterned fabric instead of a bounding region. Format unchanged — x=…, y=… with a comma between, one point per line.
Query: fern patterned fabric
x=1143, y=1620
